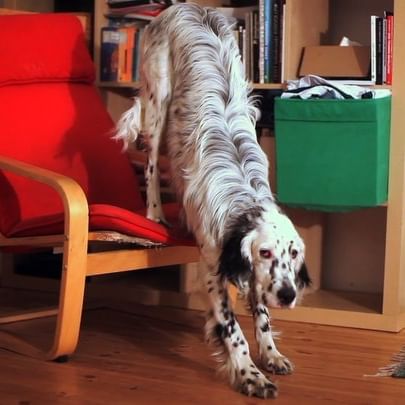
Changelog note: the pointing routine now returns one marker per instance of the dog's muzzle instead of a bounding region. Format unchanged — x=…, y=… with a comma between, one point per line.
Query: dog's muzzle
x=286, y=295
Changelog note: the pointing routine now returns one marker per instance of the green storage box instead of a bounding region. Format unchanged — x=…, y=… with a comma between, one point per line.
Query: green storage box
x=332, y=155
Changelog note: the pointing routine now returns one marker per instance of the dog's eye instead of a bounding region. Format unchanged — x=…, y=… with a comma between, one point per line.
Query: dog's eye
x=294, y=253
x=266, y=253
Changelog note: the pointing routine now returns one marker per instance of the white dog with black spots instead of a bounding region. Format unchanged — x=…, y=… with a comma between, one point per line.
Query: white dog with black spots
x=193, y=89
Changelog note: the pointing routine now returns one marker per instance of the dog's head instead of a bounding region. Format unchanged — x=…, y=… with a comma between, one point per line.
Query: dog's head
x=265, y=250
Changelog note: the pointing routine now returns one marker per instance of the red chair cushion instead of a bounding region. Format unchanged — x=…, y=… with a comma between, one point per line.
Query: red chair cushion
x=62, y=127
x=43, y=48
x=52, y=116
x=109, y=218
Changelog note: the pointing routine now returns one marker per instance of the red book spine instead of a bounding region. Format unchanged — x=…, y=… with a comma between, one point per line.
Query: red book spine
x=390, y=37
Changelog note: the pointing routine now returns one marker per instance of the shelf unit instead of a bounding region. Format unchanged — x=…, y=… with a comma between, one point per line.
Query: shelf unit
x=357, y=260
x=257, y=86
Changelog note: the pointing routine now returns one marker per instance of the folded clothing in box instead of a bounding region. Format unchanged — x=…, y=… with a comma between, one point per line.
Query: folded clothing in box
x=332, y=155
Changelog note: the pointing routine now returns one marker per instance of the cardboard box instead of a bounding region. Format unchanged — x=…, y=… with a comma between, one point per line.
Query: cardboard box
x=331, y=62
x=332, y=155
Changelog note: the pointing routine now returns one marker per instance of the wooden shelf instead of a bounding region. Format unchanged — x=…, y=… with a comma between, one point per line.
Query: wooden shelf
x=136, y=85
x=336, y=308
x=344, y=301
x=342, y=308
x=363, y=249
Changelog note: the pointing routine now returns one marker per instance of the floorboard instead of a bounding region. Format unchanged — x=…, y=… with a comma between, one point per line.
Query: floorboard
x=158, y=356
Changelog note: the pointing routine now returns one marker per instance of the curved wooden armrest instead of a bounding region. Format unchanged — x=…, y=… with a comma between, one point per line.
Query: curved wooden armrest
x=75, y=204
x=74, y=268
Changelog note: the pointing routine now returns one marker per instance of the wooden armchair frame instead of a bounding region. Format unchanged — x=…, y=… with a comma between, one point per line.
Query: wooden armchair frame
x=77, y=262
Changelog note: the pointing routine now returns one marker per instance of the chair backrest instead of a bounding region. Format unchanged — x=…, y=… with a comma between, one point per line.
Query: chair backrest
x=52, y=116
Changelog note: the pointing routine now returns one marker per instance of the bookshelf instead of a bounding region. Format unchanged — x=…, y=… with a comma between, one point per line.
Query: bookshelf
x=357, y=260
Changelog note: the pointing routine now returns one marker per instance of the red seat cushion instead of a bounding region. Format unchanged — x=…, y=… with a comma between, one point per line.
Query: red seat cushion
x=109, y=218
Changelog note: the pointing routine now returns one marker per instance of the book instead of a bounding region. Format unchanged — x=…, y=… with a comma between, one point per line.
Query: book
x=125, y=53
x=276, y=38
x=268, y=46
x=255, y=46
x=379, y=50
x=373, y=49
x=134, y=3
x=110, y=39
x=248, y=43
x=145, y=11
x=261, y=41
x=389, y=46
x=137, y=55
x=282, y=58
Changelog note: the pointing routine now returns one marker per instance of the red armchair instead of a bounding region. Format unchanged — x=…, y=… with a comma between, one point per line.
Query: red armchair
x=63, y=181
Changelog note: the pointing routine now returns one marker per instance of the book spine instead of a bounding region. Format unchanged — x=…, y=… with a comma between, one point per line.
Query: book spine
x=135, y=51
x=373, y=49
x=248, y=43
x=122, y=54
x=282, y=58
x=255, y=46
x=276, y=41
x=138, y=54
x=130, y=53
x=379, y=51
x=390, y=43
x=268, y=8
x=261, y=41
x=384, y=51
x=110, y=39
x=245, y=58
x=240, y=44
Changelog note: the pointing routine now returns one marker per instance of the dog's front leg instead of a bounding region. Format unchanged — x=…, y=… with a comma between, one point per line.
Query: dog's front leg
x=270, y=358
x=223, y=330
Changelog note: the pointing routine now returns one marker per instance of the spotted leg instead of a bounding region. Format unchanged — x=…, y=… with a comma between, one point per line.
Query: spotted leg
x=223, y=330
x=270, y=358
x=156, y=99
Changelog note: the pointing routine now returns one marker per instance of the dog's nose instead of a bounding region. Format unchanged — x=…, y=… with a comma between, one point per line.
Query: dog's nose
x=286, y=295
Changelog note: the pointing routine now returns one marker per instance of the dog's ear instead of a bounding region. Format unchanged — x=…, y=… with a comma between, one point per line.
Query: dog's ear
x=235, y=262
x=303, y=280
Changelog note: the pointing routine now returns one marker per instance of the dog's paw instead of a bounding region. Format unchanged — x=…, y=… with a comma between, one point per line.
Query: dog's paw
x=253, y=382
x=277, y=364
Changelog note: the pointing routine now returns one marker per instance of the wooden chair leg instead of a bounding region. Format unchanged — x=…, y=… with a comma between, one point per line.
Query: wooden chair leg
x=233, y=294
x=71, y=299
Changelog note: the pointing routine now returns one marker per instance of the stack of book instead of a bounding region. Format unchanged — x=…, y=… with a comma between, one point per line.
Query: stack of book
x=382, y=29
x=259, y=34
x=121, y=38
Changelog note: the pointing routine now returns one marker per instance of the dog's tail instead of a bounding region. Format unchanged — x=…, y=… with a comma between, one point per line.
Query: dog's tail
x=129, y=125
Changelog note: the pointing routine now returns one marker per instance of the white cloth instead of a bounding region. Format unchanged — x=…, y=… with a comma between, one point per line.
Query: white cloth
x=315, y=86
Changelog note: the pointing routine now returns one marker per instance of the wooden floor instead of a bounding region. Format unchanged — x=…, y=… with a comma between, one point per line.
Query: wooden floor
x=158, y=356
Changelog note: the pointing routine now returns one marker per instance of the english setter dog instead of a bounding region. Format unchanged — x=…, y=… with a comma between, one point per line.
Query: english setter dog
x=193, y=89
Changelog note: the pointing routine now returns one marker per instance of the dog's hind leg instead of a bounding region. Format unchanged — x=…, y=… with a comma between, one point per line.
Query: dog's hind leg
x=223, y=330
x=270, y=358
x=156, y=93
